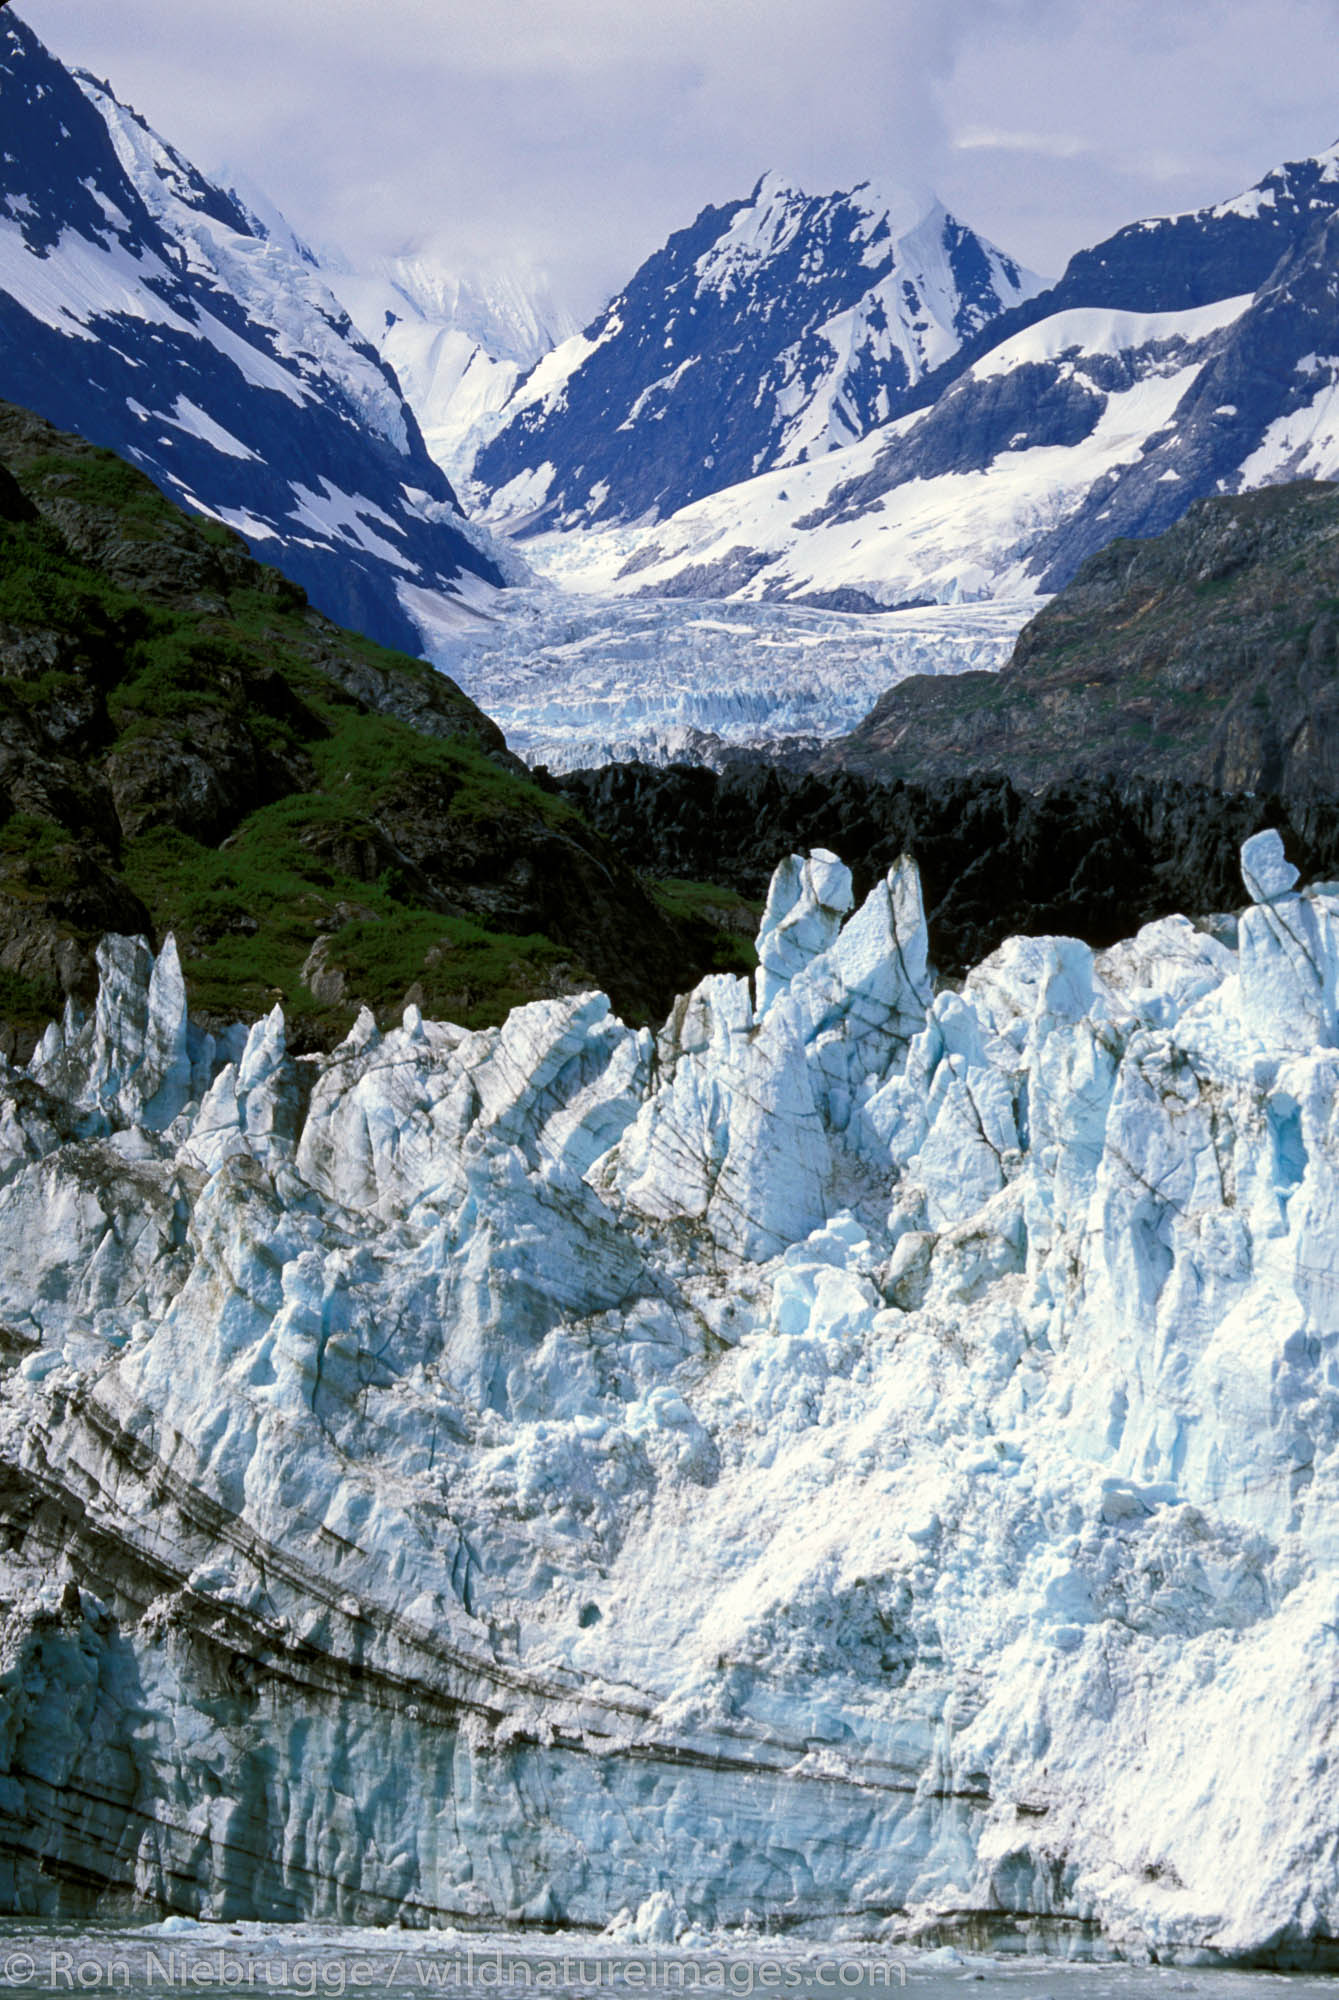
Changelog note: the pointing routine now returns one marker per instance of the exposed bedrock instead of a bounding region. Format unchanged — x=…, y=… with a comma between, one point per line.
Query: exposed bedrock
x=866, y=1455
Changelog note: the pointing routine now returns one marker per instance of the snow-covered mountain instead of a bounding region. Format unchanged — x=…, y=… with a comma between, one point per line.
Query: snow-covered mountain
x=1169, y=263
x=772, y=330
x=154, y=313
x=1185, y=356
x=458, y=344
x=866, y=1460
x=948, y=505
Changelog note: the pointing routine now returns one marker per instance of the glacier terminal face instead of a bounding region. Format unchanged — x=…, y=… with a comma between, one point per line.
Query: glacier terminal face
x=865, y=1456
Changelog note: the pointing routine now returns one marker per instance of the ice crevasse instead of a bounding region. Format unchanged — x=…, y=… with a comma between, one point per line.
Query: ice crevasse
x=866, y=1456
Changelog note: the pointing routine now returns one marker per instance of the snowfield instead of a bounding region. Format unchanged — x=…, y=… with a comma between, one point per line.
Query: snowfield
x=458, y=345
x=865, y=1457
x=911, y=512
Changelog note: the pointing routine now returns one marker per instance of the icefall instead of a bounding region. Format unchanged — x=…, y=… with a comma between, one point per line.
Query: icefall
x=863, y=1456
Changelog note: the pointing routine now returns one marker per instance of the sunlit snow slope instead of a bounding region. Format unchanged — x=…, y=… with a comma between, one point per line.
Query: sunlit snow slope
x=770, y=331
x=150, y=311
x=458, y=345
x=867, y=1457
x=1185, y=356
x=949, y=506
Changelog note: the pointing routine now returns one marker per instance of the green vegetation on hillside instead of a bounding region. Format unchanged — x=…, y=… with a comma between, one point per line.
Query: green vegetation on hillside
x=726, y=922
x=186, y=746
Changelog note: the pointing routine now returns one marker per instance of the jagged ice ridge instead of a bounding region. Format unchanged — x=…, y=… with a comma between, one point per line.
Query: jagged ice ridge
x=864, y=1456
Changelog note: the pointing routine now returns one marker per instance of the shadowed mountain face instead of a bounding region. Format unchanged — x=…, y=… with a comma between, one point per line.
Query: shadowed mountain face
x=1209, y=653
x=1175, y=263
x=145, y=308
x=1083, y=858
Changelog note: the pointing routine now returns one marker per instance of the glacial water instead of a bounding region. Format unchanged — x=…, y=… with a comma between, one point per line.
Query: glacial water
x=180, y=1956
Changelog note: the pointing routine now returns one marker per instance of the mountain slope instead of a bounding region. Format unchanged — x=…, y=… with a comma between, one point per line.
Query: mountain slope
x=149, y=310
x=185, y=745
x=1102, y=407
x=771, y=330
x=1263, y=409
x=951, y=505
x=458, y=345
x=1208, y=653
x=1174, y=263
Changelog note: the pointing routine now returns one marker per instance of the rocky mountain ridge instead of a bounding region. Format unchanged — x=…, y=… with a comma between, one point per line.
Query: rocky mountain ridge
x=150, y=311
x=769, y=331
x=1175, y=263
x=1207, y=654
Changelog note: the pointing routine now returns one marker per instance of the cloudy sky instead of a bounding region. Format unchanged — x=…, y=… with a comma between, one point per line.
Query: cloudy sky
x=573, y=135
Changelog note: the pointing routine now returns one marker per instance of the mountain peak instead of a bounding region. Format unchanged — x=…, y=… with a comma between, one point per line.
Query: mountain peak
x=1311, y=183
x=147, y=308
x=775, y=186
x=771, y=331
x=902, y=206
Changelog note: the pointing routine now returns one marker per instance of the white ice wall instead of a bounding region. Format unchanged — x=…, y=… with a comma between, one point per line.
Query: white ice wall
x=866, y=1455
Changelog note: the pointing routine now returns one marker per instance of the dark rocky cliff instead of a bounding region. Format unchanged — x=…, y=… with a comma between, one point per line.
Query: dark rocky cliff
x=1085, y=858
x=1209, y=654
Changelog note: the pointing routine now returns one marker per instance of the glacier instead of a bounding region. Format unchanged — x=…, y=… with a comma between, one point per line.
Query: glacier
x=576, y=678
x=862, y=1459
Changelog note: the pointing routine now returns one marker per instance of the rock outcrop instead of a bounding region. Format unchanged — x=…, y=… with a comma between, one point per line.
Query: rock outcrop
x=1209, y=653
x=185, y=744
x=867, y=1454
x=1094, y=858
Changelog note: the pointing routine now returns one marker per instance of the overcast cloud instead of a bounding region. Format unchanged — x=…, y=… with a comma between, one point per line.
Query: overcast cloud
x=573, y=135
